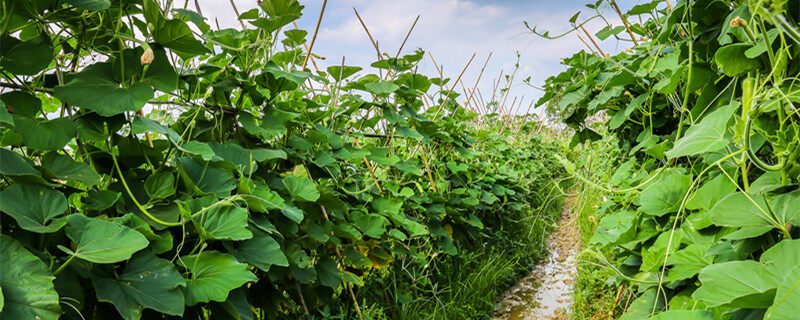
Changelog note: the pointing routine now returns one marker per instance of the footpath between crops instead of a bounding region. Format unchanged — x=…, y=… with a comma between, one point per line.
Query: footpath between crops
x=546, y=293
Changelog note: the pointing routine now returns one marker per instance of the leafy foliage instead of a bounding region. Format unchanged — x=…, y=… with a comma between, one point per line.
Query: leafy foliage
x=155, y=171
x=702, y=213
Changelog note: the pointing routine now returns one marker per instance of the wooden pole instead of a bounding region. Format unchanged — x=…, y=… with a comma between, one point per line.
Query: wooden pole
x=316, y=30
x=603, y=54
x=624, y=22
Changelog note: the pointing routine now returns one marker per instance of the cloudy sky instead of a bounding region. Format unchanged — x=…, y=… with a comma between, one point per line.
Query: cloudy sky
x=451, y=30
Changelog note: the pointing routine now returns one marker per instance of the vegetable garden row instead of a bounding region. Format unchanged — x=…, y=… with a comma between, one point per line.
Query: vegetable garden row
x=703, y=209
x=154, y=167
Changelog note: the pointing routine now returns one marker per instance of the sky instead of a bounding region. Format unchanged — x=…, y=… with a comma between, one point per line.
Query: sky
x=451, y=30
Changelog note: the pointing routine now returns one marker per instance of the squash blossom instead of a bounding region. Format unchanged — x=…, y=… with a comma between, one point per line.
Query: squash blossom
x=147, y=57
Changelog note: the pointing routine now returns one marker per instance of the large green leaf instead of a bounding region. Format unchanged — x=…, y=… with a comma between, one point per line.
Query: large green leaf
x=91, y=5
x=63, y=167
x=46, y=134
x=710, y=135
x=743, y=284
x=94, y=88
x=262, y=251
x=161, y=74
x=708, y=195
x=301, y=188
x=141, y=124
x=146, y=282
x=25, y=57
x=26, y=284
x=207, y=179
x=219, y=222
x=176, y=35
x=665, y=196
x=101, y=241
x=748, y=212
x=35, y=208
x=372, y=225
x=733, y=61
x=160, y=185
x=787, y=297
x=213, y=275
x=684, y=315
x=14, y=165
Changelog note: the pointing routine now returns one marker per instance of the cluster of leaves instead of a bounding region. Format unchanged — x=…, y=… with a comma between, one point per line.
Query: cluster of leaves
x=705, y=199
x=153, y=167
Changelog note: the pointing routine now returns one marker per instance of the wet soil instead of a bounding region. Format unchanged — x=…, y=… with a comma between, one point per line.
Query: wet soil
x=546, y=293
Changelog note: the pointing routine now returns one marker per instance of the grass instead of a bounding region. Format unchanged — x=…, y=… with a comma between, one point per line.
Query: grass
x=471, y=281
x=594, y=297
x=464, y=286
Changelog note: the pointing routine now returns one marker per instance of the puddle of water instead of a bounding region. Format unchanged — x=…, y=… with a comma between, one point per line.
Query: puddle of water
x=546, y=293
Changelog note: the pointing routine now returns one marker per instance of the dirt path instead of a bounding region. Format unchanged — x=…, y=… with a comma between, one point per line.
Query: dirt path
x=547, y=292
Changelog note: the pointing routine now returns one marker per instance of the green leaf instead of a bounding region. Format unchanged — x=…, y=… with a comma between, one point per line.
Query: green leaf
x=787, y=297
x=743, y=284
x=147, y=282
x=206, y=179
x=688, y=262
x=160, y=185
x=665, y=196
x=684, y=315
x=710, y=135
x=176, y=35
x=219, y=222
x=25, y=57
x=13, y=164
x=262, y=251
x=98, y=200
x=160, y=74
x=101, y=241
x=387, y=205
x=83, y=87
x=707, y=196
x=301, y=188
x=338, y=72
x=213, y=275
x=141, y=124
x=372, y=225
x=63, y=167
x=160, y=242
x=91, y=5
x=733, y=61
x=381, y=89
x=328, y=273
x=46, y=134
x=35, y=208
x=748, y=212
x=27, y=285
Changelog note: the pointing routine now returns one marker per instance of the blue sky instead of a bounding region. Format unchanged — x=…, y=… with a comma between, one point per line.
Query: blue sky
x=451, y=30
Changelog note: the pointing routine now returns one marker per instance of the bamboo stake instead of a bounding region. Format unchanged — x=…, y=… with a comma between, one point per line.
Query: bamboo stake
x=587, y=45
x=603, y=54
x=624, y=22
x=669, y=5
x=427, y=167
x=451, y=89
x=316, y=30
x=374, y=44
x=406, y=38
x=237, y=14
x=371, y=171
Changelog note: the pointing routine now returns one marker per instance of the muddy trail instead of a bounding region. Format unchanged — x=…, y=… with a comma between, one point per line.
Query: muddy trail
x=546, y=293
